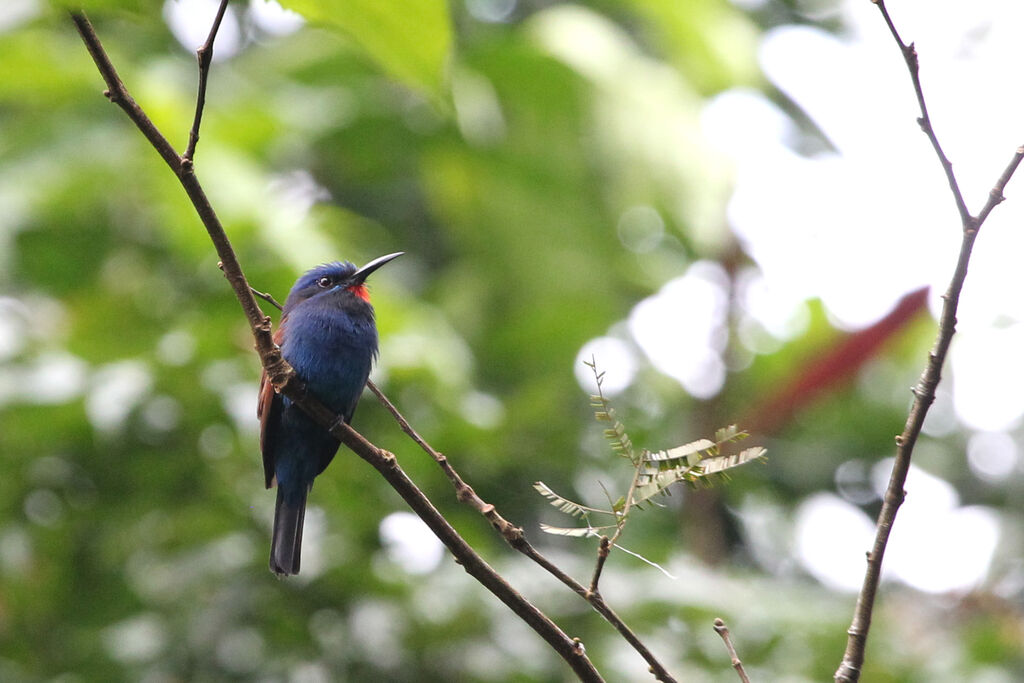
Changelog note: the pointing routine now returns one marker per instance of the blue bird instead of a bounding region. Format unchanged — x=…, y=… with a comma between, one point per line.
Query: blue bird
x=328, y=334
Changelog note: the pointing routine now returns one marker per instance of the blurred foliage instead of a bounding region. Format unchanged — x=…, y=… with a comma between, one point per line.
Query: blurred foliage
x=497, y=142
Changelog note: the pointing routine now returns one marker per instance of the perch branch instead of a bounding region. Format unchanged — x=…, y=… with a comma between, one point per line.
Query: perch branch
x=287, y=383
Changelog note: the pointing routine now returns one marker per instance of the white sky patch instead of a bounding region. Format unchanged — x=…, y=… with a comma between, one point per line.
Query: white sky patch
x=993, y=456
x=860, y=226
x=483, y=410
x=116, y=389
x=239, y=401
x=831, y=538
x=614, y=357
x=682, y=328
x=987, y=368
x=13, y=13
x=273, y=18
x=936, y=545
x=410, y=544
x=190, y=22
x=135, y=640
x=53, y=377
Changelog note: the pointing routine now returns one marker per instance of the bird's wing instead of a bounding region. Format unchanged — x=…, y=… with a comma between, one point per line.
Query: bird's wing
x=347, y=413
x=268, y=410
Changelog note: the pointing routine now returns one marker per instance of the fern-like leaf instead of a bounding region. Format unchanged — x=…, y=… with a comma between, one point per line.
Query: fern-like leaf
x=564, y=504
x=725, y=462
x=576, y=532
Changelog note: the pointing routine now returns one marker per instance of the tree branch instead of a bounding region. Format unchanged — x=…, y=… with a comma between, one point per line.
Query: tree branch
x=909, y=53
x=924, y=392
x=204, y=55
x=723, y=630
x=516, y=539
x=284, y=379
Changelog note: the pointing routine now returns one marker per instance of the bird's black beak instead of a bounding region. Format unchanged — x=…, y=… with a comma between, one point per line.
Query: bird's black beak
x=360, y=275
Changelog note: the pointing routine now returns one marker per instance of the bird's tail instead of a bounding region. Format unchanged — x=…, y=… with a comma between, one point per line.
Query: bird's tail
x=286, y=545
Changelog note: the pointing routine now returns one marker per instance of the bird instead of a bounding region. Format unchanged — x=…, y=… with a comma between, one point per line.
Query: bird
x=328, y=334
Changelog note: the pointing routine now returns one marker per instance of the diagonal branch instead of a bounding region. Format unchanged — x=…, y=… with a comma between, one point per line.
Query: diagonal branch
x=910, y=57
x=284, y=379
x=924, y=392
x=516, y=539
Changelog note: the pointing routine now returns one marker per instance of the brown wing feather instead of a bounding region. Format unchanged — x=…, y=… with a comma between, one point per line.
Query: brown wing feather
x=267, y=411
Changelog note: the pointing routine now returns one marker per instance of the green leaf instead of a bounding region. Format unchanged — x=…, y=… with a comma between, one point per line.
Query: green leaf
x=730, y=434
x=689, y=453
x=564, y=504
x=724, y=462
x=410, y=39
x=575, y=532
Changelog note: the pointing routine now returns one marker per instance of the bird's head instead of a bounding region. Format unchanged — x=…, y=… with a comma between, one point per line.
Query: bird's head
x=339, y=280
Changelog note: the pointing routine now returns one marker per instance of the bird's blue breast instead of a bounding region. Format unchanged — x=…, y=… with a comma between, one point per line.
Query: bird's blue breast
x=332, y=351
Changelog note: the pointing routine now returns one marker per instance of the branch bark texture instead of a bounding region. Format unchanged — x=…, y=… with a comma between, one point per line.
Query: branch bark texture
x=924, y=391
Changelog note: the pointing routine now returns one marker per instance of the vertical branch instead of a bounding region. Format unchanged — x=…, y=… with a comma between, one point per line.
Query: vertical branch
x=924, y=391
x=204, y=55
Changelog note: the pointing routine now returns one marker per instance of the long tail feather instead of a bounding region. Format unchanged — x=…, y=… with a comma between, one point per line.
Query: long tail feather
x=286, y=546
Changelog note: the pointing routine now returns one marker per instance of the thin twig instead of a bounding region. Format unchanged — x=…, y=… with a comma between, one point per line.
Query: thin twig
x=516, y=539
x=603, y=550
x=204, y=55
x=924, y=392
x=722, y=630
x=909, y=53
x=266, y=297
x=285, y=381
x=258, y=294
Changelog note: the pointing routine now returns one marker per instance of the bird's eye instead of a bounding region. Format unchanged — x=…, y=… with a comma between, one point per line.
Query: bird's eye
x=324, y=282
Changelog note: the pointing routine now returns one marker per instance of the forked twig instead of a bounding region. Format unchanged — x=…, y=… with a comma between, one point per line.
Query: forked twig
x=924, y=392
x=515, y=538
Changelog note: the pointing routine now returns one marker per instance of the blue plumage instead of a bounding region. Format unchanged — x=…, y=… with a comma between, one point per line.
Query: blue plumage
x=329, y=336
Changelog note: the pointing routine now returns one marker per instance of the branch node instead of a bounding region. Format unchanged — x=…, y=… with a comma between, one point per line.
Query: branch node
x=722, y=630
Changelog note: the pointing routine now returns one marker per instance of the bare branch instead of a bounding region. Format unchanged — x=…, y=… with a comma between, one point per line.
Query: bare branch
x=257, y=293
x=722, y=630
x=924, y=392
x=204, y=55
x=603, y=550
x=284, y=379
x=515, y=538
x=910, y=57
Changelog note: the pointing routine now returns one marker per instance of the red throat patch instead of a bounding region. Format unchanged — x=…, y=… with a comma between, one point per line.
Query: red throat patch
x=361, y=292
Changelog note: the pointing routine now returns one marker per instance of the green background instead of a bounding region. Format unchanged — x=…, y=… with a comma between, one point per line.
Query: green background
x=134, y=526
